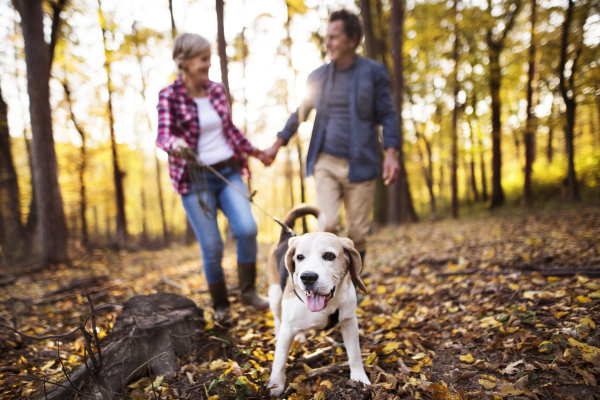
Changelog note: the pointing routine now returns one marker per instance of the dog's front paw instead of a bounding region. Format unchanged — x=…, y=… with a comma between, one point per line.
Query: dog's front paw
x=276, y=386
x=360, y=376
x=300, y=338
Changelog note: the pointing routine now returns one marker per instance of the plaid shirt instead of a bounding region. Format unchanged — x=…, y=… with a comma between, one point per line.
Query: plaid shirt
x=178, y=118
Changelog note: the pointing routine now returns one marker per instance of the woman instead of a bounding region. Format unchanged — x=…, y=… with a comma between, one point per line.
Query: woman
x=193, y=113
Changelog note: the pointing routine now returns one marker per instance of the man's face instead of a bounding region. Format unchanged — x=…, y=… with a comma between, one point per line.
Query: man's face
x=337, y=43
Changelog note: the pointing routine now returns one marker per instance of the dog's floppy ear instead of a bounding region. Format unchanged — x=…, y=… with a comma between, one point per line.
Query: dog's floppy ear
x=289, y=255
x=355, y=263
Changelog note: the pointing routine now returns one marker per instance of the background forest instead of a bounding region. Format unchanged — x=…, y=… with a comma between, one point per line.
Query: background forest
x=500, y=107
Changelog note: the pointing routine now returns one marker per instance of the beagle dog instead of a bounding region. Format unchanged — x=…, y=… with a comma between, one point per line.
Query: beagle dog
x=311, y=286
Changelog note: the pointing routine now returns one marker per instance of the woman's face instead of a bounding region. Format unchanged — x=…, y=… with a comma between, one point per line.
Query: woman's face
x=197, y=67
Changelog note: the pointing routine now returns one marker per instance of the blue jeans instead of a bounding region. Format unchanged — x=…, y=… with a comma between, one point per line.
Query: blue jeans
x=237, y=210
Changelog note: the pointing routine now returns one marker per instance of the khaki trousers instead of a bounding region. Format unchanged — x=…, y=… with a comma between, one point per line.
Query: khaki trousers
x=333, y=187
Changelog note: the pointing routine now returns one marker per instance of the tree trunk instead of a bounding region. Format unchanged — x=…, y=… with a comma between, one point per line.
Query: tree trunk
x=532, y=100
x=427, y=171
x=495, y=82
x=454, y=179
x=9, y=185
x=156, y=161
x=222, y=47
x=549, y=149
x=144, y=216
x=118, y=175
x=400, y=206
x=82, y=199
x=571, y=187
x=173, y=27
x=153, y=329
x=476, y=146
x=372, y=50
x=53, y=228
x=484, y=192
x=370, y=39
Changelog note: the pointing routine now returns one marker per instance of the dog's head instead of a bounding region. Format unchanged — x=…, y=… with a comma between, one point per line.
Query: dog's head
x=318, y=262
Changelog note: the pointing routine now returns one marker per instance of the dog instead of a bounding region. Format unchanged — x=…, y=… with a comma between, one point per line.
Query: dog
x=311, y=287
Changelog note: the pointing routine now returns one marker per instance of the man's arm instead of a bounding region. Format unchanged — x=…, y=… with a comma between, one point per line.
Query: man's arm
x=291, y=126
x=385, y=115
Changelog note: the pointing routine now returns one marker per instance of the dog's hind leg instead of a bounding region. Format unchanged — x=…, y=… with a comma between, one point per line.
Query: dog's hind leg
x=275, y=295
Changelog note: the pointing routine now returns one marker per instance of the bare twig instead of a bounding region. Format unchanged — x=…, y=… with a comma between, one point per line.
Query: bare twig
x=35, y=378
x=95, y=332
x=61, y=362
x=40, y=337
x=141, y=366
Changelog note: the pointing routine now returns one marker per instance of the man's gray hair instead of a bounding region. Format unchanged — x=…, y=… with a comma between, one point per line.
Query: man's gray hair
x=188, y=45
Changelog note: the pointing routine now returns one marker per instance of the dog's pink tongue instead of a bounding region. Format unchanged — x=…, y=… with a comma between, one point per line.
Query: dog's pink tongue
x=315, y=302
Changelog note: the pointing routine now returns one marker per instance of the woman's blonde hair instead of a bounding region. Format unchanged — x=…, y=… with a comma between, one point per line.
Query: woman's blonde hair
x=188, y=45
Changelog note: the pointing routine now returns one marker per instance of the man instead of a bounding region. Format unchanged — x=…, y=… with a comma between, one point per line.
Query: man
x=351, y=96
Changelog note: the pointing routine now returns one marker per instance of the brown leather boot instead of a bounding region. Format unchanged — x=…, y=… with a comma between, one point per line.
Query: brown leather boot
x=218, y=293
x=248, y=293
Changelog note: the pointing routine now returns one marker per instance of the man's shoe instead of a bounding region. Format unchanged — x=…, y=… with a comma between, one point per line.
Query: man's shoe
x=248, y=294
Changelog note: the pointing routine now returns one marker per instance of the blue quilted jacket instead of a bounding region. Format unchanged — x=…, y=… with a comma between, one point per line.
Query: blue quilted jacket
x=370, y=105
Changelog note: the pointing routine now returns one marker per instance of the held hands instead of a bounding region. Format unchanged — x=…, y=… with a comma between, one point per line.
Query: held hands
x=391, y=168
x=261, y=156
x=271, y=152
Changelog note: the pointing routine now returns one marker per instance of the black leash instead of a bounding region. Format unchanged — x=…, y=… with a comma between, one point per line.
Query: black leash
x=200, y=183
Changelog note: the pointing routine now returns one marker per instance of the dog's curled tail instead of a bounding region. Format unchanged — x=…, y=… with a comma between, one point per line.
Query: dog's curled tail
x=305, y=209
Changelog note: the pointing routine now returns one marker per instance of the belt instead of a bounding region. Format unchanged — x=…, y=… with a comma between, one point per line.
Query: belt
x=230, y=162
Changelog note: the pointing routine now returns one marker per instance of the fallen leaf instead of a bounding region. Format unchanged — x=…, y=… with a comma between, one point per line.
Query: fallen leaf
x=467, y=358
x=466, y=375
x=511, y=368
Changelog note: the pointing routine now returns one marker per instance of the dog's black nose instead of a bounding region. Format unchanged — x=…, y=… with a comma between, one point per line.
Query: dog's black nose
x=308, y=278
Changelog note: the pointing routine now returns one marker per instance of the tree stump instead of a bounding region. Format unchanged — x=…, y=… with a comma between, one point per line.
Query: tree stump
x=154, y=329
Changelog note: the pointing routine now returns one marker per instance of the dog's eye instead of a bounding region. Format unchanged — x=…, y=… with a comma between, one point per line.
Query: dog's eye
x=299, y=257
x=328, y=256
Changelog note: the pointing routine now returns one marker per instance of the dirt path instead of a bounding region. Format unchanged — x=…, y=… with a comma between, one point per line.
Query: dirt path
x=489, y=308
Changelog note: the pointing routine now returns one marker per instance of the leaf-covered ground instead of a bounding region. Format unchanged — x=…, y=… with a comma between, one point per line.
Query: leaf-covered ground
x=486, y=308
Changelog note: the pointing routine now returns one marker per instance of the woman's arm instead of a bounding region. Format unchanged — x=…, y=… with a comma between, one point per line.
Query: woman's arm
x=166, y=139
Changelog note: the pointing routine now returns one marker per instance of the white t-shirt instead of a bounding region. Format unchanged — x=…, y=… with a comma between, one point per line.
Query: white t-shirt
x=212, y=143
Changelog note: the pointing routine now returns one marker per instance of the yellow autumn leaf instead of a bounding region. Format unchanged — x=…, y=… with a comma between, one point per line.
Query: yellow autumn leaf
x=587, y=322
x=270, y=323
x=391, y=335
x=529, y=295
x=300, y=378
x=487, y=384
x=510, y=389
x=513, y=286
x=560, y=294
x=327, y=383
x=560, y=314
x=339, y=350
x=595, y=295
x=390, y=347
x=381, y=289
x=218, y=365
x=583, y=299
x=306, y=367
x=319, y=396
x=215, y=397
x=467, y=358
x=371, y=358
x=419, y=356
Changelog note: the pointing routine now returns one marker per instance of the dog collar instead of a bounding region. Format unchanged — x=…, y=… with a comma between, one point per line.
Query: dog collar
x=298, y=296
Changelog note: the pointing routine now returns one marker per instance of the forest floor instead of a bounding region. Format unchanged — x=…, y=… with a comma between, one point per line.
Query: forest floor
x=503, y=306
